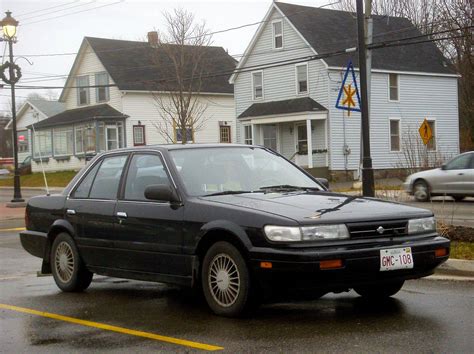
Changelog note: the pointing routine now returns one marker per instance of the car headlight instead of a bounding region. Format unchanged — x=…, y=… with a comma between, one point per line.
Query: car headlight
x=306, y=233
x=416, y=226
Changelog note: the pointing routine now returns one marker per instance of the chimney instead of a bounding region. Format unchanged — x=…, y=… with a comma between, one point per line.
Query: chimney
x=153, y=38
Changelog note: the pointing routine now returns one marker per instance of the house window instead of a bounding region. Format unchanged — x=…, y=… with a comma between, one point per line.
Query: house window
x=82, y=83
x=302, y=78
x=139, y=135
x=277, y=35
x=394, y=135
x=63, y=141
x=178, y=133
x=102, y=93
x=431, y=146
x=42, y=144
x=393, y=87
x=257, y=84
x=270, y=136
x=248, y=134
x=22, y=139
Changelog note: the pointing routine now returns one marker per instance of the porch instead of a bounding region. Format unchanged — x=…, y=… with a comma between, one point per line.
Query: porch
x=301, y=137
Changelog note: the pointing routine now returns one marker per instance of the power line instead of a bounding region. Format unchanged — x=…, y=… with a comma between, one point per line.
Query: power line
x=73, y=13
x=47, y=8
x=250, y=68
x=60, y=10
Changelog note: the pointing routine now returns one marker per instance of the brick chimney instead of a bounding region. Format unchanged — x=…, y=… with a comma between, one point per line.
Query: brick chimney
x=153, y=38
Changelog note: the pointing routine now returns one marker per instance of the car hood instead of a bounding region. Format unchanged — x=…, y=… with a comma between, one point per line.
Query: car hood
x=309, y=207
x=424, y=174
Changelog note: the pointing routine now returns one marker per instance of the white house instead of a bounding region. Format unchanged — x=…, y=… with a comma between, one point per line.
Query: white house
x=32, y=112
x=110, y=102
x=285, y=98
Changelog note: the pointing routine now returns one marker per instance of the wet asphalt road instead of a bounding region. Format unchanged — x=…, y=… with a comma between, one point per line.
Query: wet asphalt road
x=425, y=317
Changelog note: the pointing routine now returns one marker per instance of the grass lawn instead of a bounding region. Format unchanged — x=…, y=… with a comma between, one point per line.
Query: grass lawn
x=55, y=179
x=462, y=250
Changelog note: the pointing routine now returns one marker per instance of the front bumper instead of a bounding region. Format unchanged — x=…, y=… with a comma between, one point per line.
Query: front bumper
x=299, y=268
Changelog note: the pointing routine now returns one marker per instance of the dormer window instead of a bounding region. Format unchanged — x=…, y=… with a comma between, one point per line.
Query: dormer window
x=277, y=35
x=82, y=83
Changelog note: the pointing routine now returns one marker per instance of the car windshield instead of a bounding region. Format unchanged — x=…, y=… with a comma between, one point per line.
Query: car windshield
x=207, y=171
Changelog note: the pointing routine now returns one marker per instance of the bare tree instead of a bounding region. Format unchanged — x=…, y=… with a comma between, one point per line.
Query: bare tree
x=180, y=57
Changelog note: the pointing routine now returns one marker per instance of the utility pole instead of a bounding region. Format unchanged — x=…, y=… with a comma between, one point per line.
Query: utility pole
x=368, y=189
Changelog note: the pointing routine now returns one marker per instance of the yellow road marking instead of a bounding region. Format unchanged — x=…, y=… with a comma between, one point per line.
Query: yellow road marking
x=14, y=229
x=107, y=327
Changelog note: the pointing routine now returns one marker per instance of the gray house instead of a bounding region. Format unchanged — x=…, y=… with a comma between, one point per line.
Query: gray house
x=285, y=98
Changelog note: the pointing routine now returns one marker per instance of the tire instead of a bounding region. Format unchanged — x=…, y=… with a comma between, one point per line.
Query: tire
x=225, y=280
x=379, y=291
x=421, y=191
x=458, y=198
x=67, y=267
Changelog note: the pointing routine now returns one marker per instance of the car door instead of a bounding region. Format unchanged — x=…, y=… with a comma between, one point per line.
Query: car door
x=149, y=233
x=91, y=210
x=456, y=177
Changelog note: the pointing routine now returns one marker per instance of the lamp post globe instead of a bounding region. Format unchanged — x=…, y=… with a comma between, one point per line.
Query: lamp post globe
x=9, y=28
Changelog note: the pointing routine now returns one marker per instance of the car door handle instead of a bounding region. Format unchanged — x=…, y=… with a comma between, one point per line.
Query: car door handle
x=122, y=214
x=70, y=212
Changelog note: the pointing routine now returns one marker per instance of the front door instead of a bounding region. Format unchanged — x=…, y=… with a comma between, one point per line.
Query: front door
x=111, y=136
x=457, y=177
x=91, y=210
x=301, y=144
x=269, y=134
x=148, y=232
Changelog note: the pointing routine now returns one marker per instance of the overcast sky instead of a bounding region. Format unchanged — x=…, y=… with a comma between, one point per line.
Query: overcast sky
x=52, y=26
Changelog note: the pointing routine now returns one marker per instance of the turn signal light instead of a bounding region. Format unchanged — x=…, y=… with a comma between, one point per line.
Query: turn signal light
x=331, y=264
x=441, y=252
x=266, y=265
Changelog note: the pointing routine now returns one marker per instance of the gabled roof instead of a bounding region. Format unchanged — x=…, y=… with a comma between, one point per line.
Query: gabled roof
x=330, y=30
x=138, y=66
x=296, y=105
x=83, y=114
x=44, y=107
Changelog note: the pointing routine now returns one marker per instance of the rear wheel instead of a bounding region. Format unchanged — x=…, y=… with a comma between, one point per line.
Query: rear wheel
x=379, y=291
x=67, y=267
x=421, y=191
x=225, y=280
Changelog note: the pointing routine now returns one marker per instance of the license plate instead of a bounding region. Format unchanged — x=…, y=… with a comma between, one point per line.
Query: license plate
x=396, y=258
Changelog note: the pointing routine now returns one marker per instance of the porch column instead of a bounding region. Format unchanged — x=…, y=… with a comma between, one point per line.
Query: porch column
x=309, y=136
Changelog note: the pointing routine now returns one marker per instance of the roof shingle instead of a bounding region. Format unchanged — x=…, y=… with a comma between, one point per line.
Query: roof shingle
x=296, y=105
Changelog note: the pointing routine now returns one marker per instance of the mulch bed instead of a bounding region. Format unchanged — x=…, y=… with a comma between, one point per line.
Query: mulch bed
x=460, y=233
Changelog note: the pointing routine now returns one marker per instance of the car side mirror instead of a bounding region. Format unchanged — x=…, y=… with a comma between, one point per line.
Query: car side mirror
x=161, y=192
x=324, y=182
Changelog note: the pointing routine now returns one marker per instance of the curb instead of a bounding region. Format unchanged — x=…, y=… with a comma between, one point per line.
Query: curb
x=457, y=268
x=51, y=189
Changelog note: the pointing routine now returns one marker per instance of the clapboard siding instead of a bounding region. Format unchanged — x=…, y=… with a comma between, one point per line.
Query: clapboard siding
x=53, y=165
x=142, y=107
x=421, y=97
x=89, y=64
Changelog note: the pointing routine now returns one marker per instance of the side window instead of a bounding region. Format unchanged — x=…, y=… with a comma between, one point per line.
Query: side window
x=82, y=191
x=106, y=182
x=144, y=170
x=459, y=163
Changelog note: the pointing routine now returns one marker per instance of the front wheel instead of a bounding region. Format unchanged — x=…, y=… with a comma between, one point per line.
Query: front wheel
x=68, y=270
x=421, y=191
x=379, y=291
x=458, y=198
x=225, y=280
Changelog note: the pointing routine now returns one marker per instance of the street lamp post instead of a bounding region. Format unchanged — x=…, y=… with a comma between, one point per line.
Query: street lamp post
x=9, y=26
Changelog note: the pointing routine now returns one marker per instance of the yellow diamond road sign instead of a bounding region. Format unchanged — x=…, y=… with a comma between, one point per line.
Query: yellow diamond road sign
x=425, y=132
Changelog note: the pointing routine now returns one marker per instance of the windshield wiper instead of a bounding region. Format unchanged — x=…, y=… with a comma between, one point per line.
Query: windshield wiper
x=226, y=193
x=289, y=187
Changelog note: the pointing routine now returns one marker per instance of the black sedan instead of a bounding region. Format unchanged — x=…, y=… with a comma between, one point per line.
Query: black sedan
x=240, y=222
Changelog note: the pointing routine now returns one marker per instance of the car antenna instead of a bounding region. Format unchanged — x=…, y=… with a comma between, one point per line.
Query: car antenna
x=41, y=162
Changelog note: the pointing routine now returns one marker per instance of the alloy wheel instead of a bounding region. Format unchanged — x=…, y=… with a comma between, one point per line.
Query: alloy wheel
x=64, y=262
x=224, y=280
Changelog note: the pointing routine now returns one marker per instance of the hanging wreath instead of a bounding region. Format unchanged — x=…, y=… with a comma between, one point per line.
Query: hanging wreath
x=16, y=75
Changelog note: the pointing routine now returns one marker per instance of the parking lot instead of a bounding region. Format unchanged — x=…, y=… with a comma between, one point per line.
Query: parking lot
x=116, y=315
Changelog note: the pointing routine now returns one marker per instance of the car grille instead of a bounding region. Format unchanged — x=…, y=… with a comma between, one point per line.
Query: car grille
x=378, y=229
